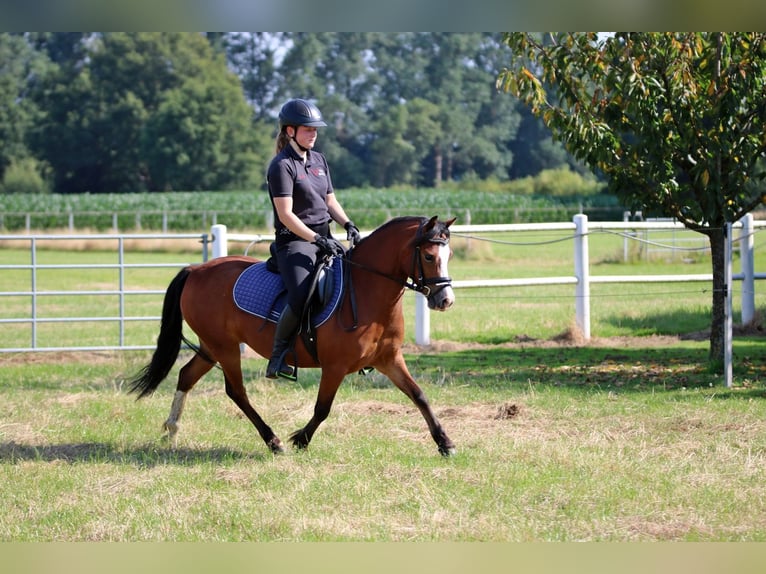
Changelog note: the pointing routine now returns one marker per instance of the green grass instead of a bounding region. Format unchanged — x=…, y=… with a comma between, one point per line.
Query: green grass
x=554, y=444
x=368, y=207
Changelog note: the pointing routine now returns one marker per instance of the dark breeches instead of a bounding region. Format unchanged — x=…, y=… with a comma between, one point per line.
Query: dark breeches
x=296, y=264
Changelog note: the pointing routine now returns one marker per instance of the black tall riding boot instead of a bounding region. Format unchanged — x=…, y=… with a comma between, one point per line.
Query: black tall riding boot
x=286, y=327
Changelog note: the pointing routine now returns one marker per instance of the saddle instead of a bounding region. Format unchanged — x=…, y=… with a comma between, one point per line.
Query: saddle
x=260, y=291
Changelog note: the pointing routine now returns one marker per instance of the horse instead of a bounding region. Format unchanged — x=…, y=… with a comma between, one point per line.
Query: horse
x=365, y=330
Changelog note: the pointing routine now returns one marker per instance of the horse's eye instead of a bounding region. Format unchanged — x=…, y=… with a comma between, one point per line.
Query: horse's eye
x=429, y=258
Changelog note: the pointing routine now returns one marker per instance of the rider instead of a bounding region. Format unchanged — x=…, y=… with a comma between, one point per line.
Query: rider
x=304, y=204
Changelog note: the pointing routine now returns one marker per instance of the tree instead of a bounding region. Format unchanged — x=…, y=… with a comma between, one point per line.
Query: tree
x=252, y=56
x=468, y=126
x=129, y=111
x=300, y=75
x=402, y=140
x=20, y=68
x=146, y=111
x=534, y=150
x=675, y=120
x=199, y=138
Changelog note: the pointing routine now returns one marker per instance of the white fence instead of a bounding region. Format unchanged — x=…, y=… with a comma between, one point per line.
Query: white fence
x=217, y=244
x=581, y=278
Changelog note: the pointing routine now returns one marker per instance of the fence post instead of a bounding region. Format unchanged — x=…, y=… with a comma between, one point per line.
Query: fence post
x=422, y=321
x=220, y=241
x=467, y=222
x=748, y=269
x=582, y=274
x=625, y=217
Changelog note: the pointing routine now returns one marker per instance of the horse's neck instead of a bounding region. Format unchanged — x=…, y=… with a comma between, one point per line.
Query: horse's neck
x=383, y=249
x=381, y=269
x=381, y=256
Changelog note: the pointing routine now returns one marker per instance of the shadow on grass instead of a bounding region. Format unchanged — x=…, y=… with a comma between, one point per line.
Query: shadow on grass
x=145, y=456
x=595, y=368
x=664, y=323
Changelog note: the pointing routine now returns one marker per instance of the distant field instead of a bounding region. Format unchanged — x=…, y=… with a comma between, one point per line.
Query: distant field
x=184, y=211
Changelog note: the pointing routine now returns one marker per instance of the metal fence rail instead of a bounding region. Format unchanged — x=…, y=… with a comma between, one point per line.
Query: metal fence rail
x=122, y=291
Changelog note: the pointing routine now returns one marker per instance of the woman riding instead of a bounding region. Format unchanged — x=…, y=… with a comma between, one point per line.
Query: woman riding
x=304, y=204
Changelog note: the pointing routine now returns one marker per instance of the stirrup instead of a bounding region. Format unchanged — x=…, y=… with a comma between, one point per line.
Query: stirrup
x=291, y=375
x=283, y=370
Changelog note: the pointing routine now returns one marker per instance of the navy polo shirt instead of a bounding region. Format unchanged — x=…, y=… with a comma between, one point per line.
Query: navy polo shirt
x=307, y=183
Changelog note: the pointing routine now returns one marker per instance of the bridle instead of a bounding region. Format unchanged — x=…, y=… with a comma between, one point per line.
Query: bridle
x=428, y=286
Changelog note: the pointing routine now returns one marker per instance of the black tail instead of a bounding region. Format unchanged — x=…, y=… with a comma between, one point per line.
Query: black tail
x=168, y=341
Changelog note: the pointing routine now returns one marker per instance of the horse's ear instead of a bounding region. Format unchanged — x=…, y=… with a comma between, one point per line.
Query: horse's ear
x=431, y=223
x=450, y=221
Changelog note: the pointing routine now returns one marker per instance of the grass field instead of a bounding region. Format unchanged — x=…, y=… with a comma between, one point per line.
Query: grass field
x=554, y=443
x=629, y=438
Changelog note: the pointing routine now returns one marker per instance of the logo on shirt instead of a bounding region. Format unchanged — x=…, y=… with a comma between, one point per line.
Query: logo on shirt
x=318, y=172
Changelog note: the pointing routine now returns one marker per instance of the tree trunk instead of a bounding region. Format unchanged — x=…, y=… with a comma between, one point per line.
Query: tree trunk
x=718, y=323
x=438, y=158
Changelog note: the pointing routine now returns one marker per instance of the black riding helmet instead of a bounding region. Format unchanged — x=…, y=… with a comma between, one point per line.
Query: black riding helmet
x=299, y=112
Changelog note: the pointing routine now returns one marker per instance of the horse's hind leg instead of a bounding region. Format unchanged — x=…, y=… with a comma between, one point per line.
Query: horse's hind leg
x=399, y=374
x=235, y=389
x=328, y=387
x=176, y=409
x=188, y=376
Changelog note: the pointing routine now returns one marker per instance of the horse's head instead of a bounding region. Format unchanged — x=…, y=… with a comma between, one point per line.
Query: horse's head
x=431, y=256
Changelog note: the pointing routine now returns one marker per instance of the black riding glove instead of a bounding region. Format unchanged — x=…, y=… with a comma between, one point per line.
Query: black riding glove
x=352, y=233
x=328, y=245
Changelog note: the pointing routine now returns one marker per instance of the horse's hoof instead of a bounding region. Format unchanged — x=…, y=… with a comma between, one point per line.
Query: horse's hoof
x=300, y=440
x=168, y=443
x=170, y=434
x=447, y=451
x=300, y=445
x=275, y=445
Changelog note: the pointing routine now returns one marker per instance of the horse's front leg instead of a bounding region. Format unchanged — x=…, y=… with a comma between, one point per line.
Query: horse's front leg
x=328, y=387
x=399, y=374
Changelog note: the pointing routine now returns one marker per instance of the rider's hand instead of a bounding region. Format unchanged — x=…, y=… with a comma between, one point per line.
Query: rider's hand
x=352, y=233
x=328, y=245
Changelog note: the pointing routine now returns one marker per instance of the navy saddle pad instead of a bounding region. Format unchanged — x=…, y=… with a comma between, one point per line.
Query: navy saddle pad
x=262, y=293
